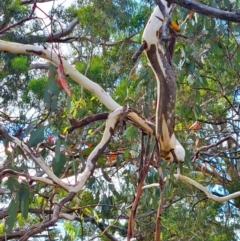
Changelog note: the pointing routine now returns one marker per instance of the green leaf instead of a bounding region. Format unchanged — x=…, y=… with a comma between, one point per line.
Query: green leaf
x=24, y=203
x=69, y=99
x=172, y=169
x=130, y=132
x=51, y=93
x=75, y=167
x=91, y=182
x=58, y=166
x=101, y=160
x=9, y=223
x=87, y=151
x=12, y=183
x=105, y=206
x=57, y=151
x=37, y=136
x=198, y=109
x=146, y=111
x=188, y=160
x=126, y=155
x=59, y=161
x=12, y=212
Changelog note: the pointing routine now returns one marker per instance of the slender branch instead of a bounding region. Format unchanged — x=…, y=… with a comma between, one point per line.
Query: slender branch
x=139, y=51
x=198, y=186
x=214, y=145
x=4, y=191
x=142, y=176
x=114, y=43
x=34, y=156
x=87, y=120
x=21, y=21
x=32, y=178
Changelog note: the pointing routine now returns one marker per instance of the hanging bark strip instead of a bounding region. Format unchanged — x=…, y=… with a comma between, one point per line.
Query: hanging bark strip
x=161, y=200
x=143, y=170
x=166, y=86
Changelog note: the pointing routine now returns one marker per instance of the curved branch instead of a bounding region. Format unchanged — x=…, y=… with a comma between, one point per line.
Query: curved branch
x=93, y=87
x=204, y=189
x=54, y=37
x=196, y=154
x=87, y=120
x=166, y=86
x=125, y=40
x=111, y=123
x=32, y=178
x=200, y=187
x=208, y=11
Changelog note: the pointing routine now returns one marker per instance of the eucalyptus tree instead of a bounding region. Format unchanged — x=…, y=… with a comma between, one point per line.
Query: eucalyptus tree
x=112, y=144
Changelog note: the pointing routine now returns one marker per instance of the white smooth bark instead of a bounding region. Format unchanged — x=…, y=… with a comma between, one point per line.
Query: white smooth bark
x=164, y=75
x=82, y=80
x=108, y=132
x=198, y=186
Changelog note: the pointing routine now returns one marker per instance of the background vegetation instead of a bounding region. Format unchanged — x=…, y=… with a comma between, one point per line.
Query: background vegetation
x=102, y=39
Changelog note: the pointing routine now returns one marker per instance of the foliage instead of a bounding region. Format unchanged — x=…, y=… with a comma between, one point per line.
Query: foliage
x=34, y=109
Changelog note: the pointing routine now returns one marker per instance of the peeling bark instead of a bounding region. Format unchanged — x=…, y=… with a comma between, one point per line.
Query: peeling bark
x=166, y=86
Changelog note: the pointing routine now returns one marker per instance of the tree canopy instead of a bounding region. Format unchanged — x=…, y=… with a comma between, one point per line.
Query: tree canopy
x=120, y=120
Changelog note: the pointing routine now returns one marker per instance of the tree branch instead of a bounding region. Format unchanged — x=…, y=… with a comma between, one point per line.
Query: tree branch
x=87, y=120
x=198, y=186
x=213, y=145
x=63, y=32
x=166, y=86
x=32, y=178
x=204, y=189
x=207, y=11
x=34, y=156
x=111, y=123
x=93, y=87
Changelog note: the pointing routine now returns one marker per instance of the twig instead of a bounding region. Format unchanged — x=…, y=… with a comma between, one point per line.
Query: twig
x=21, y=21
